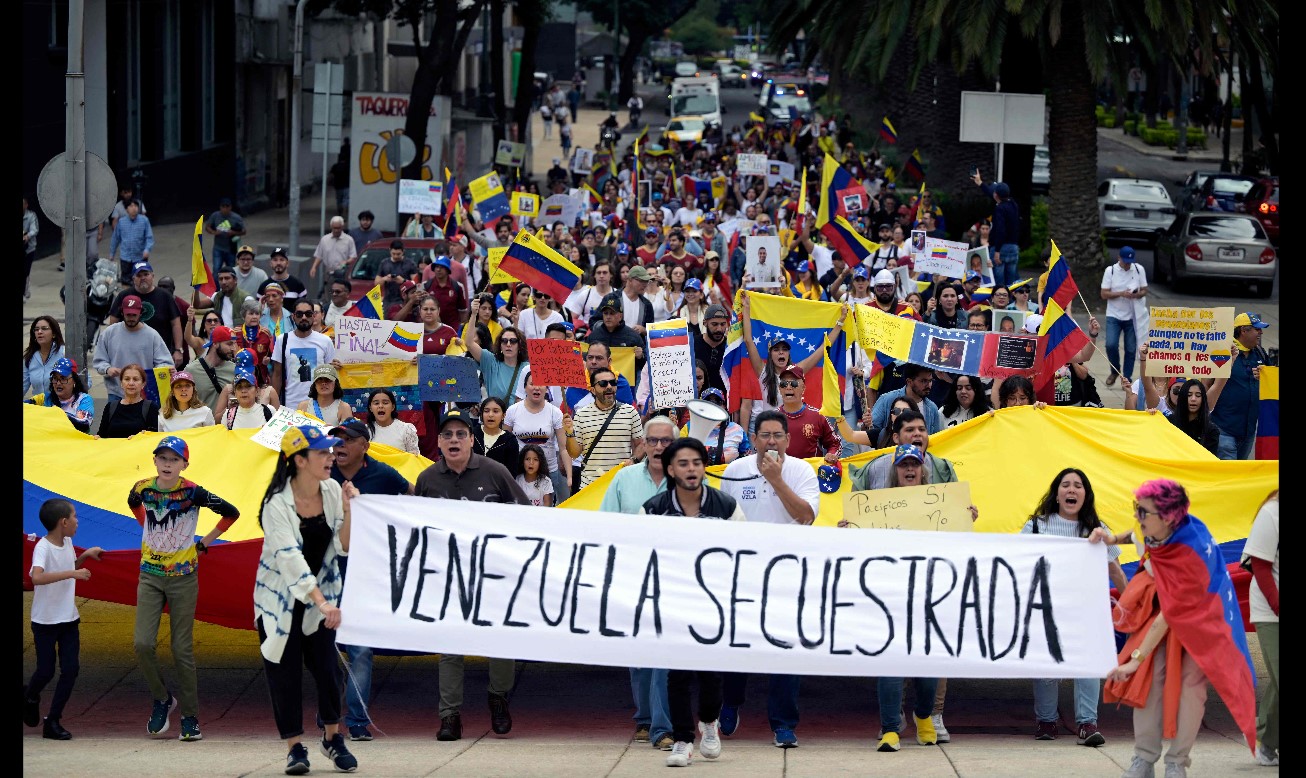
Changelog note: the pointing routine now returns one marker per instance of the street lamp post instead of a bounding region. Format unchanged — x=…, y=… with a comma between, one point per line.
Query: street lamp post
x=616, y=55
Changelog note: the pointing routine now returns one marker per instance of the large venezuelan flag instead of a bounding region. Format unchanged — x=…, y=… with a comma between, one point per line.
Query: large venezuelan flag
x=845, y=239
x=1267, y=426
x=530, y=259
x=804, y=324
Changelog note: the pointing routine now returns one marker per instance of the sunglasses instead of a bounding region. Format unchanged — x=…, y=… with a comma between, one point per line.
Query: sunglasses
x=604, y=383
x=1141, y=513
x=542, y=296
x=302, y=314
x=509, y=342
x=790, y=383
x=1022, y=291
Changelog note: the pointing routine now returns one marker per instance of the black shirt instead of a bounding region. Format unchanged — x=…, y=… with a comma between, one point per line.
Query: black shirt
x=711, y=357
x=123, y=421
x=293, y=286
x=317, y=537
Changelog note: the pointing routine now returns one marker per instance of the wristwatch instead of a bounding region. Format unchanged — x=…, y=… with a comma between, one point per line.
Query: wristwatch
x=1137, y=655
x=200, y=547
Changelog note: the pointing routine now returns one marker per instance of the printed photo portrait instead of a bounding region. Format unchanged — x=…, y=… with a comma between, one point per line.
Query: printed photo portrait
x=918, y=241
x=946, y=353
x=852, y=204
x=302, y=361
x=763, y=261
x=978, y=259
x=1009, y=321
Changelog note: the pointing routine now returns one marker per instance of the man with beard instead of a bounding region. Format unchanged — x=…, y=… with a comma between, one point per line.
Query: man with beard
x=280, y=264
x=226, y=301
x=294, y=351
x=886, y=295
x=217, y=367
x=710, y=343
x=127, y=342
x=605, y=443
x=461, y=475
x=159, y=309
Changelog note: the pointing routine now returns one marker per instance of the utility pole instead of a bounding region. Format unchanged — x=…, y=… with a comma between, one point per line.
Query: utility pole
x=74, y=221
x=296, y=86
x=616, y=56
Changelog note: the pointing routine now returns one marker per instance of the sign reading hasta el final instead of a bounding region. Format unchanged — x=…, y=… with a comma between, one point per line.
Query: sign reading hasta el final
x=593, y=588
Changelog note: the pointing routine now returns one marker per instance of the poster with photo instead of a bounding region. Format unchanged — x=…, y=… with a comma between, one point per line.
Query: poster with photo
x=946, y=353
x=1008, y=355
x=763, y=262
x=1009, y=321
x=917, y=242
x=582, y=160
x=978, y=259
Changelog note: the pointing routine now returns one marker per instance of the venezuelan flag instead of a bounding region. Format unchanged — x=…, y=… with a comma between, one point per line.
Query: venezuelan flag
x=833, y=178
x=1267, y=427
x=201, y=275
x=887, y=132
x=404, y=340
x=1060, y=338
x=845, y=239
x=1060, y=285
x=981, y=295
x=455, y=201
x=832, y=394
x=532, y=261
x=718, y=189
x=594, y=196
x=736, y=370
x=804, y=324
x=915, y=165
x=370, y=306
x=676, y=335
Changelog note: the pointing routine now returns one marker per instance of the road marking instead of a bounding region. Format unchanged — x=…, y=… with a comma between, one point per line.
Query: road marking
x=1124, y=171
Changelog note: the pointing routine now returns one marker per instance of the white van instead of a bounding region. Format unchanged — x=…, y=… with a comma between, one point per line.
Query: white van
x=696, y=97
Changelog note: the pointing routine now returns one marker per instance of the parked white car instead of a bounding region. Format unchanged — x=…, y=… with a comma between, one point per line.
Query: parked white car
x=1134, y=207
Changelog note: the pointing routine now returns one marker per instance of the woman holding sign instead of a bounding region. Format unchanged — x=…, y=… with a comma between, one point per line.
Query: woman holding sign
x=1068, y=510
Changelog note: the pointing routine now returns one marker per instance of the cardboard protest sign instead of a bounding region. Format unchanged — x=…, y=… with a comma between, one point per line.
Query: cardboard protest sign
x=931, y=508
x=751, y=164
x=670, y=363
x=884, y=332
x=779, y=172
x=443, y=378
x=1000, y=607
x=372, y=340
x=525, y=204
x=497, y=276
x=557, y=362
x=943, y=257
x=269, y=435
x=420, y=196
x=559, y=208
x=510, y=154
x=1190, y=342
x=1007, y=355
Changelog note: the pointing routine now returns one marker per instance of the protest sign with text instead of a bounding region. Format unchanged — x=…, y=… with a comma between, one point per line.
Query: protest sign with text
x=779, y=172
x=884, y=332
x=943, y=257
x=751, y=164
x=670, y=363
x=1190, y=342
x=372, y=340
x=557, y=362
x=420, y=196
x=269, y=435
x=448, y=379
x=493, y=258
x=1007, y=355
x=930, y=508
x=593, y=588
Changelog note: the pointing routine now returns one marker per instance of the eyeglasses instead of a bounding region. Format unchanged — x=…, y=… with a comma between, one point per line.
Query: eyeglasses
x=509, y=342
x=790, y=383
x=455, y=435
x=604, y=383
x=1141, y=513
x=770, y=435
x=655, y=442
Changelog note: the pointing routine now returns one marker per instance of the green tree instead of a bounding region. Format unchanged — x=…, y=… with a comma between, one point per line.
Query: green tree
x=642, y=20
x=699, y=35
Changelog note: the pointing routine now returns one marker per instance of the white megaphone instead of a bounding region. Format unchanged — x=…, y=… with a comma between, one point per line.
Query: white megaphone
x=704, y=418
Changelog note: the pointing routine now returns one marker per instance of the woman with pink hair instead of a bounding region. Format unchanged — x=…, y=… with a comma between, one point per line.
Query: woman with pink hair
x=1183, y=615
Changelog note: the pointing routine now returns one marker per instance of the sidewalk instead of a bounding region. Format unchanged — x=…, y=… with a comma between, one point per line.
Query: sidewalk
x=1212, y=154
x=569, y=720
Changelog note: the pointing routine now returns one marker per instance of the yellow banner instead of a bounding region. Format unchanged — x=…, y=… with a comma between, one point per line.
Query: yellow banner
x=370, y=375
x=884, y=332
x=930, y=508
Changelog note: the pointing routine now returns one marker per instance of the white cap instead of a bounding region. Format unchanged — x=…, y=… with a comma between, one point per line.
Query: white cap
x=1032, y=322
x=884, y=277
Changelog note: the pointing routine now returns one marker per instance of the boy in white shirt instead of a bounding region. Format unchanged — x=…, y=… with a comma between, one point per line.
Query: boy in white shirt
x=56, y=568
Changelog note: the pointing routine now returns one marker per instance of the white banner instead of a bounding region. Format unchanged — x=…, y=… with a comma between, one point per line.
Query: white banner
x=269, y=435
x=779, y=172
x=376, y=116
x=751, y=164
x=671, y=363
x=944, y=257
x=372, y=340
x=559, y=208
x=420, y=196
x=563, y=585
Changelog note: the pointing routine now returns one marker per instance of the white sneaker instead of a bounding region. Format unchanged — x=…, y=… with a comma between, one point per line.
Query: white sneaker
x=1264, y=758
x=710, y=745
x=940, y=730
x=1139, y=768
x=681, y=754
x=1175, y=770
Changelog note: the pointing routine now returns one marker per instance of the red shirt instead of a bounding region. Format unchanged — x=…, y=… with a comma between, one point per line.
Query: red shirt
x=437, y=341
x=689, y=262
x=810, y=434
x=451, y=298
x=648, y=257
x=392, y=313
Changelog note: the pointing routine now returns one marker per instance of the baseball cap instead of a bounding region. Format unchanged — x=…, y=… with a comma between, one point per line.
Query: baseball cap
x=795, y=370
x=351, y=428
x=861, y=272
x=325, y=371
x=891, y=186
x=142, y=267
x=219, y=334
x=245, y=250
x=132, y=303
x=225, y=201
x=695, y=284
x=176, y=445
x=405, y=286
x=709, y=217
x=907, y=451
x=297, y=439
x=1127, y=253
x=1249, y=319
x=454, y=414
x=710, y=255
x=612, y=300
x=243, y=374
x=460, y=239
x=278, y=251
x=182, y=375
x=623, y=249
x=972, y=275
x=444, y=262
x=652, y=231
x=884, y=278
x=1002, y=189
x=711, y=393
x=639, y=273
x=64, y=367
x=804, y=266
x=716, y=311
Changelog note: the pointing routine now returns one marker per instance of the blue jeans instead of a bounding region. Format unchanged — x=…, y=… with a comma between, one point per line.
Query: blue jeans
x=223, y=258
x=1114, y=329
x=1086, y=695
x=1235, y=447
x=358, y=686
x=889, y=690
x=781, y=699
x=1007, y=273
x=649, y=688
x=560, y=489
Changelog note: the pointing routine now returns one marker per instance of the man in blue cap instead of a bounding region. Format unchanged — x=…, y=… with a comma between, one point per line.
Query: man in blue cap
x=1124, y=287
x=1238, y=410
x=1006, y=230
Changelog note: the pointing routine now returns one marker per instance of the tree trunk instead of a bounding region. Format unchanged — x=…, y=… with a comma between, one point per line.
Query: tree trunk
x=1072, y=144
x=1020, y=74
x=496, y=71
x=437, y=65
x=530, y=16
x=637, y=37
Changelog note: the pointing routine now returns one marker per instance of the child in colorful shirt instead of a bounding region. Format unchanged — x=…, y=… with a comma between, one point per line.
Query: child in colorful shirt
x=167, y=508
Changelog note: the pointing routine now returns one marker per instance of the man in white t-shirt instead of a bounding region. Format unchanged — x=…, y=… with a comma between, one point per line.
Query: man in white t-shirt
x=774, y=489
x=1124, y=287
x=1262, y=552
x=302, y=349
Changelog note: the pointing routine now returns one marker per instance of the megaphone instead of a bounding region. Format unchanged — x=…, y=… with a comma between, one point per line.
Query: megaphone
x=704, y=418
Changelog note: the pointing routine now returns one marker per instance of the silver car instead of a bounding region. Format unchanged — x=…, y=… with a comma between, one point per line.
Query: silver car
x=1216, y=245
x=1133, y=207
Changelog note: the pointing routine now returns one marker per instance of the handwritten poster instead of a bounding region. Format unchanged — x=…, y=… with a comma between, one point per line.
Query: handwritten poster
x=880, y=331
x=931, y=508
x=1190, y=342
x=448, y=379
x=420, y=196
x=942, y=257
x=497, y=276
x=269, y=435
x=670, y=363
x=751, y=164
x=372, y=340
x=557, y=362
